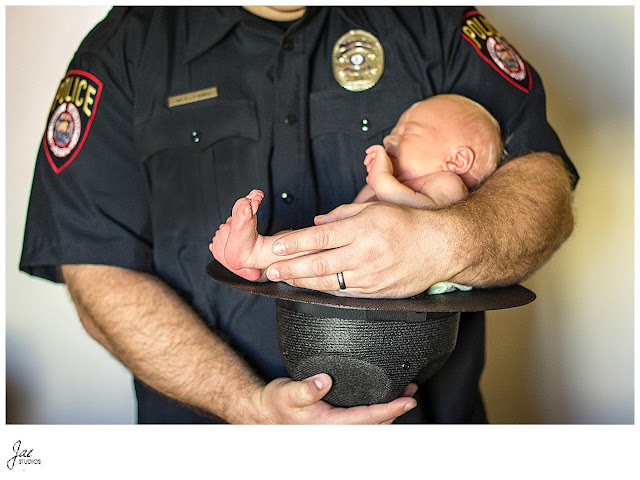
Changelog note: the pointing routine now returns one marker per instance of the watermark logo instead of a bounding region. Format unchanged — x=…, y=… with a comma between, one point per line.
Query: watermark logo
x=22, y=457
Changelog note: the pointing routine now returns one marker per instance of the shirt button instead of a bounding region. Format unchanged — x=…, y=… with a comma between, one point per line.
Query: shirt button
x=287, y=45
x=290, y=119
x=286, y=197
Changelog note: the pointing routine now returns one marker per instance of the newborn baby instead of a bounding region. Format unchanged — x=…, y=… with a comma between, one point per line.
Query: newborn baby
x=441, y=149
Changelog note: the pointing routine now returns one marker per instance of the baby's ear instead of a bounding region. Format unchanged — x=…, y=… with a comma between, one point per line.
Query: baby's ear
x=461, y=160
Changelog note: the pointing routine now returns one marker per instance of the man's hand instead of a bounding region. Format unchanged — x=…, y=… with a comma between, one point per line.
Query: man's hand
x=499, y=235
x=284, y=401
x=150, y=329
x=375, y=245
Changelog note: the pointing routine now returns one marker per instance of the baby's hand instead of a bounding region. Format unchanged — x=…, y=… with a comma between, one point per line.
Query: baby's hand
x=373, y=152
x=378, y=163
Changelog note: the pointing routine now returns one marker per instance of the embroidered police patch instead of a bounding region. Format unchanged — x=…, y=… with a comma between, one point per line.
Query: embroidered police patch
x=72, y=113
x=496, y=51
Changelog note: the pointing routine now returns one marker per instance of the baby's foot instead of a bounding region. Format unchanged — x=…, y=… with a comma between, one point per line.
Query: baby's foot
x=243, y=232
x=237, y=239
x=219, y=241
x=378, y=165
x=217, y=245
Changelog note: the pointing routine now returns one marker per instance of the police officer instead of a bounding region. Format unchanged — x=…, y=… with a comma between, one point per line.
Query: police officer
x=168, y=115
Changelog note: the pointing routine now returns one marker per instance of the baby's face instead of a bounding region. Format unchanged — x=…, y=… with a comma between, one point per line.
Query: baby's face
x=413, y=144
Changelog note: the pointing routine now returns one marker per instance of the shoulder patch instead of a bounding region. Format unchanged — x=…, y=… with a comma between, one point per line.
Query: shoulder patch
x=496, y=51
x=72, y=113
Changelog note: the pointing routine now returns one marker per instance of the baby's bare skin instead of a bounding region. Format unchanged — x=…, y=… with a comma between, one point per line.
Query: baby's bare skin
x=241, y=228
x=436, y=189
x=423, y=164
x=237, y=244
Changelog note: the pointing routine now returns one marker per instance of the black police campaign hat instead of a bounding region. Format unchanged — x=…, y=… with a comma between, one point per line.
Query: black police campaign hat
x=372, y=348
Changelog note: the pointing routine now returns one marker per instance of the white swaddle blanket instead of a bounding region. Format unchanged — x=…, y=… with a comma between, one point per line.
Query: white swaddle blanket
x=445, y=287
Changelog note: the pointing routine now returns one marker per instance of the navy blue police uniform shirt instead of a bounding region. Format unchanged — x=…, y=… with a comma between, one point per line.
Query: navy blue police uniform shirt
x=134, y=173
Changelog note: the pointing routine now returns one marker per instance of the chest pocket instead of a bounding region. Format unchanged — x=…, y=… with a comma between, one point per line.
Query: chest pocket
x=200, y=158
x=343, y=125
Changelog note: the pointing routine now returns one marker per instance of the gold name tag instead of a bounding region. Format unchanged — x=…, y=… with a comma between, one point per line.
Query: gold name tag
x=191, y=97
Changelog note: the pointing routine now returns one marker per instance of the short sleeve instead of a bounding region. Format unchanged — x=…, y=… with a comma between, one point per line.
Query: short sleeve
x=481, y=64
x=89, y=201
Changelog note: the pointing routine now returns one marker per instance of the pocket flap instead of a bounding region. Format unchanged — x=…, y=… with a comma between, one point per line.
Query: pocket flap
x=200, y=125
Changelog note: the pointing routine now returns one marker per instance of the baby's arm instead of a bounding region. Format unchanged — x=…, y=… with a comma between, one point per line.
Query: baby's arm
x=365, y=195
x=444, y=188
x=388, y=188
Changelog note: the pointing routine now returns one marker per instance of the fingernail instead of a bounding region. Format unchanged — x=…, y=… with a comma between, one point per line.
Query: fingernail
x=273, y=273
x=278, y=248
x=320, y=382
x=409, y=406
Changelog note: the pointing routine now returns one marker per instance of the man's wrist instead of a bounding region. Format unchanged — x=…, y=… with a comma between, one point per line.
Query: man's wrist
x=256, y=413
x=454, y=248
x=246, y=406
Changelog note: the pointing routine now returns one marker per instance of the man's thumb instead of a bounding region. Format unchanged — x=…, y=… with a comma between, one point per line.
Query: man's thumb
x=310, y=390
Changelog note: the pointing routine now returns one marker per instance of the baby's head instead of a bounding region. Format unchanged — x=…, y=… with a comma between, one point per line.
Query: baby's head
x=445, y=133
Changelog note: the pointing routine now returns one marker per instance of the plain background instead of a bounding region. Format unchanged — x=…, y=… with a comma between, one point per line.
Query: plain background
x=568, y=358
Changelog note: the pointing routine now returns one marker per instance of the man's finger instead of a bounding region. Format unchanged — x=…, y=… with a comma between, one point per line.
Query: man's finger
x=322, y=237
x=327, y=284
x=339, y=213
x=375, y=414
x=308, y=391
x=317, y=265
x=410, y=390
x=323, y=284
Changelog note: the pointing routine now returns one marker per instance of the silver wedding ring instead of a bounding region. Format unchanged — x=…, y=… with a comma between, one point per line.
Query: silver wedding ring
x=341, y=281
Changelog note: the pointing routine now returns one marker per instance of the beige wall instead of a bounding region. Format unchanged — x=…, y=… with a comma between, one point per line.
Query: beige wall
x=566, y=358
x=55, y=372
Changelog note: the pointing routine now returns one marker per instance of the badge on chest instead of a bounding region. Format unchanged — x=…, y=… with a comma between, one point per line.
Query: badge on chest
x=358, y=60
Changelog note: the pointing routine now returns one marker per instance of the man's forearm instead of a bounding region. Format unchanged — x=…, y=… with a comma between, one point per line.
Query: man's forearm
x=513, y=223
x=153, y=332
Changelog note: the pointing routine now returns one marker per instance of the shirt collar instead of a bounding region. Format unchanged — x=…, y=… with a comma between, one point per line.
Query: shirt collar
x=209, y=25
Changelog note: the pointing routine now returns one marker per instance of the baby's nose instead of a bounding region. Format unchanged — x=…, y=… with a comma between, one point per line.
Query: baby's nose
x=390, y=143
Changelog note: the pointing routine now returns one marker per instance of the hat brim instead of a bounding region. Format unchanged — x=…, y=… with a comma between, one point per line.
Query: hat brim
x=476, y=300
